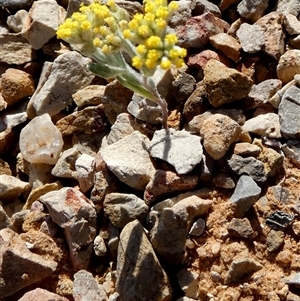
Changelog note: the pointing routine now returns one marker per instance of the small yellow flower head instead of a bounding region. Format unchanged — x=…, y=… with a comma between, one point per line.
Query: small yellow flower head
x=95, y=26
x=148, y=31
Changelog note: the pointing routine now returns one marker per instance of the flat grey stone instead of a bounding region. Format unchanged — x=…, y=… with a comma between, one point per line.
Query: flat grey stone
x=249, y=166
x=241, y=268
x=246, y=193
x=122, y=208
x=129, y=160
x=252, y=9
x=139, y=273
x=288, y=111
x=87, y=288
x=67, y=75
x=168, y=146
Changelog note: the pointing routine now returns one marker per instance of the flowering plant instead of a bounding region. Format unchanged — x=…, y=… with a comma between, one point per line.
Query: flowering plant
x=103, y=32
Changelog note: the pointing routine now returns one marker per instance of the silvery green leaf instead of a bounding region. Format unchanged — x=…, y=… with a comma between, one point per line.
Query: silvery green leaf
x=104, y=70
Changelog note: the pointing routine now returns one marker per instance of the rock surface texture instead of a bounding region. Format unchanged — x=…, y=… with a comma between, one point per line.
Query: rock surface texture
x=98, y=202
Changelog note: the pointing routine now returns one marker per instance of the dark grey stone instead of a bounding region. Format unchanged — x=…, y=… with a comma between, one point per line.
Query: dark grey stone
x=240, y=227
x=246, y=193
x=289, y=111
x=249, y=166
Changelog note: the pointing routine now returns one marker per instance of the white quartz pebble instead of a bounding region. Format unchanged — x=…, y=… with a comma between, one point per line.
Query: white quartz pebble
x=41, y=141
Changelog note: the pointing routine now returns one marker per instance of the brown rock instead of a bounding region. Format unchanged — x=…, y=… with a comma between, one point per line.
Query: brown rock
x=41, y=294
x=89, y=120
x=43, y=245
x=274, y=34
x=218, y=133
x=200, y=59
x=19, y=266
x=16, y=85
x=223, y=84
x=165, y=183
x=288, y=65
x=115, y=101
x=227, y=44
x=197, y=30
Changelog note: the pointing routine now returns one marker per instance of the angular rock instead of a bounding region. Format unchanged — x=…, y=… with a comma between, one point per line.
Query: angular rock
x=288, y=112
x=19, y=266
x=89, y=96
x=170, y=227
x=165, y=183
x=16, y=85
x=197, y=30
x=167, y=145
x=104, y=182
x=15, y=49
x=252, y=9
x=129, y=160
x=137, y=266
x=292, y=150
x=249, y=166
x=261, y=93
x=87, y=288
x=273, y=160
x=145, y=110
x=240, y=228
x=200, y=7
x=275, y=240
x=45, y=17
x=115, y=101
x=84, y=166
x=246, y=193
x=188, y=282
x=291, y=24
x=67, y=75
x=288, y=7
x=65, y=166
x=288, y=65
x=264, y=125
x=4, y=219
x=199, y=60
x=198, y=227
x=223, y=181
x=99, y=246
x=196, y=104
x=224, y=85
x=125, y=124
x=227, y=44
x=41, y=294
x=246, y=149
x=73, y=212
x=16, y=22
x=206, y=167
x=271, y=24
x=183, y=86
x=11, y=187
x=89, y=120
x=241, y=268
x=16, y=4
x=218, y=133
x=251, y=37
x=123, y=208
x=45, y=145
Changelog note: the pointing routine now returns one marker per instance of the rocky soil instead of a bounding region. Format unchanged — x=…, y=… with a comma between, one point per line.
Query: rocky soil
x=97, y=202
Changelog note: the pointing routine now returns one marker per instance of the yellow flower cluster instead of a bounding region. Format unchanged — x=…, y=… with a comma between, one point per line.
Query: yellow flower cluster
x=155, y=46
x=95, y=26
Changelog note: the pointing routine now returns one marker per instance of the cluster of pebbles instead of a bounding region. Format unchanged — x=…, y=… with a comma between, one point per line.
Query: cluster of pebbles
x=97, y=202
